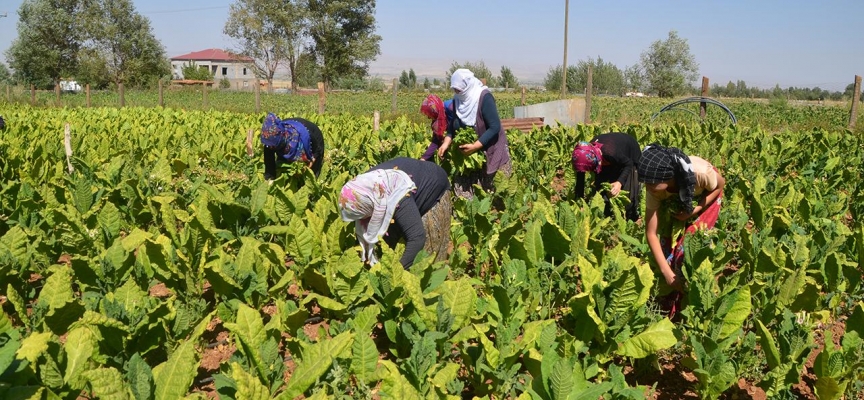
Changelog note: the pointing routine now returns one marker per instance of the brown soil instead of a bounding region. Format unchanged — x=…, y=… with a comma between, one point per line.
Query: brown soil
x=673, y=381
x=160, y=290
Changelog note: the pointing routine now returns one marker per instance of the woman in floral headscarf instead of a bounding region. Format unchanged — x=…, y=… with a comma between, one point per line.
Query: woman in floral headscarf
x=613, y=158
x=291, y=140
x=442, y=114
x=393, y=200
x=475, y=107
x=673, y=179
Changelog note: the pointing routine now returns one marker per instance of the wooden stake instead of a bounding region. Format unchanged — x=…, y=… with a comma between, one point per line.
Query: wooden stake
x=122, y=95
x=161, y=98
x=33, y=95
x=204, y=93
x=395, y=89
x=250, y=149
x=856, y=94
x=376, y=120
x=588, y=94
x=67, y=141
x=523, y=95
x=88, y=95
x=321, y=98
x=57, y=94
x=257, y=96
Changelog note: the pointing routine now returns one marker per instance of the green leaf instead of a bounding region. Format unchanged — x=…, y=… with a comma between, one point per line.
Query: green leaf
x=561, y=379
x=107, y=383
x=735, y=309
x=365, y=319
x=445, y=375
x=174, y=376
x=249, y=329
x=324, y=302
x=364, y=358
x=395, y=385
x=316, y=360
x=58, y=288
x=140, y=377
x=33, y=346
x=459, y=298
x=656, y=337
x=80, y=346
x=772, y=354
x=248, y=386
x=110, y=220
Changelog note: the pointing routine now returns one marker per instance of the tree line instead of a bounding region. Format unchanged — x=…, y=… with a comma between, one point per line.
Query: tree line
x=107, y=42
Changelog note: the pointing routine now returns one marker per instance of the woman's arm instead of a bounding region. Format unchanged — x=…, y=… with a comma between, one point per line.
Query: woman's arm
x=657, y=250
x=489, y=112
x=706, y=200
x=409, y=220
x=580, y=185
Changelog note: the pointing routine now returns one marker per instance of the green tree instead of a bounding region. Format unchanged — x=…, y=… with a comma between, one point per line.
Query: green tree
x=508, y=80
x=480, y=70
x=343, y=34
x=669, y=67
x=92, y=69
x=308, y=70
x=412, y=78
x=552, y=82
x=193, y=72
x=426, y=83
x=49, y=39
x=5, y=75
x=272, y=33
x=605, y=77
x=125, y=41
x=404, y=80
x=634, y=80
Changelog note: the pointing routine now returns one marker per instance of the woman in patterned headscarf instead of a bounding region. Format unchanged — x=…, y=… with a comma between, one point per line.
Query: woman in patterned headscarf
x=672, y=178
x=442, y=114
x=393, y=200
x=613, y=158
x=475, y=108
x=291, y=140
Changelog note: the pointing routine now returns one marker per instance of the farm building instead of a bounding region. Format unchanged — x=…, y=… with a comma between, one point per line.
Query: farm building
x=221, y=64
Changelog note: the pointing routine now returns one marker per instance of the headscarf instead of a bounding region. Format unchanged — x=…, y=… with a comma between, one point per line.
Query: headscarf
x=290, y=138
x=659, y=164
x=587, y=157
x=468, y=98
x=433, y=108
x=370, y=199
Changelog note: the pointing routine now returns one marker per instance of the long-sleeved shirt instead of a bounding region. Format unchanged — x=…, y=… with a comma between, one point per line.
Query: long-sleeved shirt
x=431, y=181
x=316, y=142
x=621, y=152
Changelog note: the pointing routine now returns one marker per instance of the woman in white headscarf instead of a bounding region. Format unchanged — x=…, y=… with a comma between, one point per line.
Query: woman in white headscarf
x=476, y=108
x=392, y=200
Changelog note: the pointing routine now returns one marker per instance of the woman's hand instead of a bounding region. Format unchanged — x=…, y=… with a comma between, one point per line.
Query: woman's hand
x=616, y=188
x=684, y=215
x=468, y=149
x=444, y=146
x=675, y=282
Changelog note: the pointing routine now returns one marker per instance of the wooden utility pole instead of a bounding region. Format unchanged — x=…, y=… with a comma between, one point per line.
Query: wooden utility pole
x=856, y=94
x=703, y=105
x=589, y=93
x=321, y=98
x=564, y=69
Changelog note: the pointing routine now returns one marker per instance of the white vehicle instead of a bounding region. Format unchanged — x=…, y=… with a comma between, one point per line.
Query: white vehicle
x=70, y=86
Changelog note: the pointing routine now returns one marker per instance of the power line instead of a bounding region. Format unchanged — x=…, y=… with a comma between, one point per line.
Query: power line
x=184, y=10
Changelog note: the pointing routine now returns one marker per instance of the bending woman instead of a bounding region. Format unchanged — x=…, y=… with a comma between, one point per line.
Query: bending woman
x=291, y=140
x=670, y=177
x=391, y=200
x=613, y=158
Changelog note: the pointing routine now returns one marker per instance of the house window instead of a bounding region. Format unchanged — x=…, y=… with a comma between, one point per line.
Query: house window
x=213, y=70
x=244, y=71
x=224, y=71
x=245, y=83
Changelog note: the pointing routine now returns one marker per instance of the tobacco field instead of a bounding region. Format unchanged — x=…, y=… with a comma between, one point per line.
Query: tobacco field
x=165, y=267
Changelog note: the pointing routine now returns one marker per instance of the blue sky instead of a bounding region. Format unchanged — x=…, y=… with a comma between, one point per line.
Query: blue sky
x=763, y=42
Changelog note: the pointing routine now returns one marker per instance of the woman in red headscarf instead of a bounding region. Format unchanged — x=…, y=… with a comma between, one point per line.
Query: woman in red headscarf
x=441, y=113
x=613, y=158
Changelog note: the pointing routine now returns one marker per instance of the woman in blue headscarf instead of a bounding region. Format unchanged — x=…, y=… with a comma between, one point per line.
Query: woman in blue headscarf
x=291, y=140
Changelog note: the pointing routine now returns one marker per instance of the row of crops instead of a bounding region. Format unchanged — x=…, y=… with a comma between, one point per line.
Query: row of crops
x=165, y=267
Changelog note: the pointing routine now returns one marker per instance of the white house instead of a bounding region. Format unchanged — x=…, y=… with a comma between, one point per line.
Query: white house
x=221, y=64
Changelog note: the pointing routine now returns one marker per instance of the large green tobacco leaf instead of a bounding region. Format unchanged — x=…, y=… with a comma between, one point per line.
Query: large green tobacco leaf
x=107, y=383
x=459, y=298
x=316, y=360
x=395, y=385
x=14, y=242
x=110, y=220
x=364, y=359
x=769, y=345
x=633, y=286
x=561, y=380
x=734, y=310
x=58, y=288
x=81, y=344
x=140, y=377
x=248, y=386
x=174, y=376
x=33, y=346
x=656, y=337
x=249, y=329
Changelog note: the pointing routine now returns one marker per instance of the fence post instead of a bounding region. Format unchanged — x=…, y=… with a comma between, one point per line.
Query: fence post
x=257, y=96
x=856, y=95
x=376, y=121
x=33, y=95
x=703, y=105
x=589, y=89
x=57, y=94
x=523, y=95
x=87, y=89
x=122, y=95
x=204, y=93
x=8, y=94
x=250, y=149
x=161, y=98
x=321, y=98
x=395, y=89
x=67, y=142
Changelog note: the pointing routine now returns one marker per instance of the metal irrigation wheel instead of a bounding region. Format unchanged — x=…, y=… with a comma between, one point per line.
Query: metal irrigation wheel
x=673, y=106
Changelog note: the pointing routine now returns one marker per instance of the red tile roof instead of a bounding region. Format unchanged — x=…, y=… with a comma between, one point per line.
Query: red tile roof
x=210, y=55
